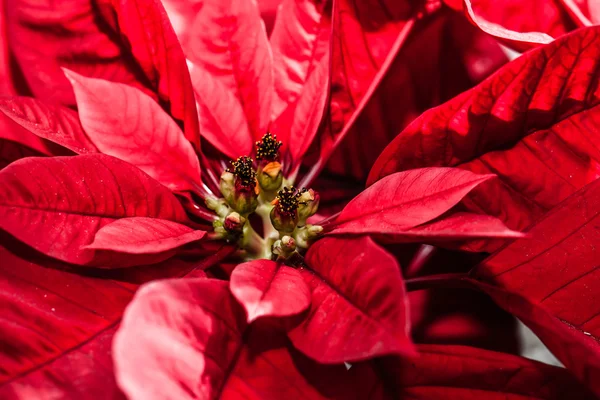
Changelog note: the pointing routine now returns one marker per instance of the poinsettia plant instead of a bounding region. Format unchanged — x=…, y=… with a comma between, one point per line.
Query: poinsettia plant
x=186, y=149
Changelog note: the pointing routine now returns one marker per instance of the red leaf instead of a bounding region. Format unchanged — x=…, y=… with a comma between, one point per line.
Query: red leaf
x=404, y=200
x=222, y=119
x=534, y=124
x=358, y=306
x=56, y=123
x=266, y=288
x=230, y=45
x=192, y=339
x=458, y=56
x=104, y=40
x=57, y=327
x=449, y=229
x=300, y=39
x=44, y=35
x=155, y=47
x=56, y=205
x=458, y=372
x=140, y=235
x=556, y=268
x=366, y=38
x=543, y=16
x=125, y=123
x=519, y=40
x=298, y=125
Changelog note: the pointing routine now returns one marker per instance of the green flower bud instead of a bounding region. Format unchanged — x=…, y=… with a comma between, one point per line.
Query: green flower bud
x=307, y=233
x=239, y=187
x=308, y=204
x=284, y=215
x=270, y=176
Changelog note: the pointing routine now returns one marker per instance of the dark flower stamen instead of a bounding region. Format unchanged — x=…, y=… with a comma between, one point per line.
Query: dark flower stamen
x=243, y=170
x=268, y=148
x=287, y=201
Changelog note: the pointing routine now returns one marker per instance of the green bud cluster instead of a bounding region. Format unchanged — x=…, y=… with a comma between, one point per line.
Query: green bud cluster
x=284, y=210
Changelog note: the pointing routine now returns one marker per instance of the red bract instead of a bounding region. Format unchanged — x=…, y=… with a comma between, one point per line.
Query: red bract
x=299, y=284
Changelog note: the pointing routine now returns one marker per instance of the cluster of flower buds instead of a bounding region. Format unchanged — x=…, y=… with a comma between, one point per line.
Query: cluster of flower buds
x=247, y=190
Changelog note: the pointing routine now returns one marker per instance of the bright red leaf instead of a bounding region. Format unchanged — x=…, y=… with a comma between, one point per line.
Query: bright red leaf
x=109, y=40
x=57, y=326
x=404, y=200
x=359, y=283
x=56, y=205
x=192, y=339
x=55, y=123
x=265, y=289
x=154, y=45
x=229, y=44
x=300, y=39
x=125, y=123
x=533, y=124
x=141, y=235
x=556, y=268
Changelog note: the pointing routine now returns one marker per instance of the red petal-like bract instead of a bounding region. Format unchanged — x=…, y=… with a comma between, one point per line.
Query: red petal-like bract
x=125, y=123
x=363, y=48
x=141, y=235
x=268, y=289
x=155, y=47
x=519, y=40
x=300, y=39
x=358, y=307
x=556, y=268
x=56, y=205
x=540, y=112
x=55, y=123
x=191, y=338
x=57, y=327
x=229, y=46
x=548, y=17
x=406, y=199
x=128, y=41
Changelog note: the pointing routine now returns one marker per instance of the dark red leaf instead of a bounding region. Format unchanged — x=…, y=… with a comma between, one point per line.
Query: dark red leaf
x=193, y=341
x=55, y=123
x=265, y=288
x=358, y=308
x=57, y=327
x=141, y=235
x=12, y=151
x=534, y=124
x=556, y=268
x=229, y=46
x=366, y=38
x=458, y=372
x=125, y=123
x=404, y=200
x=458, y=56
x=56, y=205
